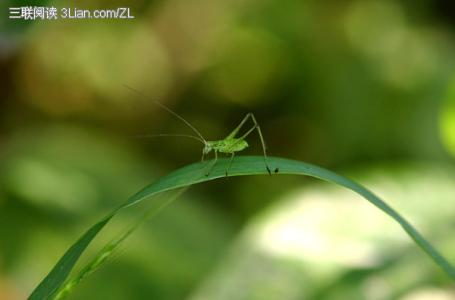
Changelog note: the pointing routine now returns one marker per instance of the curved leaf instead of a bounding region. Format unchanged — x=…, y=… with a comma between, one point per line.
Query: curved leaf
x=245, y=165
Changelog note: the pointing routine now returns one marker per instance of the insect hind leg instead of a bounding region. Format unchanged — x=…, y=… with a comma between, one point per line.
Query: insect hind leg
x=264, y=147
x=258, y=128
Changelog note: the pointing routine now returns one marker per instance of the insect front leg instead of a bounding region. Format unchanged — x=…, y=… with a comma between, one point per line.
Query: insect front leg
x=213, y=164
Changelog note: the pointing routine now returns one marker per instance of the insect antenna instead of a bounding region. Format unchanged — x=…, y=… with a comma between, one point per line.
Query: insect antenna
x=168, y=110
x=171, y=135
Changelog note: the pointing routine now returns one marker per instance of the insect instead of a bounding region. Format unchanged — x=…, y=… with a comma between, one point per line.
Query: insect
x=229, y=145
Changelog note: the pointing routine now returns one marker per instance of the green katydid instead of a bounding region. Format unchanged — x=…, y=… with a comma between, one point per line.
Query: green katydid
x=229, y=145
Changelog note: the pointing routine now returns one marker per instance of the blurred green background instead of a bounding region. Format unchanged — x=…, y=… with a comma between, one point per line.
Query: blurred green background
x=362, y=87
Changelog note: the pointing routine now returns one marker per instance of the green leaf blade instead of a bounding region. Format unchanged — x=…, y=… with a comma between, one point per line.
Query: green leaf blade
x=57, y=276
x=241, y=166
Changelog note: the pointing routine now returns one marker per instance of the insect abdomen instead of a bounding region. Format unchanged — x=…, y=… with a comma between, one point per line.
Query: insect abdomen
x=230, y=145
x=239, y=145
